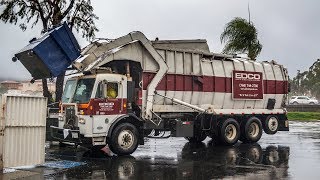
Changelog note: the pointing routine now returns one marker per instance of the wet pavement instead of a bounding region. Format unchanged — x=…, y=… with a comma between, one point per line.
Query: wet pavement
x=285, y=155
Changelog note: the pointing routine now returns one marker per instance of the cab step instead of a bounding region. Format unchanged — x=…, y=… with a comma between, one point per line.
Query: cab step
x=99, y=140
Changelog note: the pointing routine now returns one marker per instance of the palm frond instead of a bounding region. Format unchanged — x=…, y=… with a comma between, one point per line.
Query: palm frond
x=240, y=36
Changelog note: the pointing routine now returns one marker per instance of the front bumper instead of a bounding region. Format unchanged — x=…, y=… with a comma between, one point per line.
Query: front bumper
x=65, y=135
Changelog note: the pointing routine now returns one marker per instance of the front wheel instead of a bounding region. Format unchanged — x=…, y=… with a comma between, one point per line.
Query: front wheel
x=124, y=139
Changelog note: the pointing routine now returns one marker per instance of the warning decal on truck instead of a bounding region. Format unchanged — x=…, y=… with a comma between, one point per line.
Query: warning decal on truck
x=247, y=85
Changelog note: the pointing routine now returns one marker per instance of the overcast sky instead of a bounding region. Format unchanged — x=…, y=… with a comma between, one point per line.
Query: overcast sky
x=287, y=29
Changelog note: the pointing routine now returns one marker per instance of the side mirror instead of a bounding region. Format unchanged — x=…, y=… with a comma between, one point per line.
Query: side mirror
x=99, y=91
x=105, y=89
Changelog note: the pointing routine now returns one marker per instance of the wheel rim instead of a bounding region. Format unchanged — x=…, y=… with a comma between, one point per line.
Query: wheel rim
x=273, y=124
x=231, y=132
x=254, y=130
x=125, y=139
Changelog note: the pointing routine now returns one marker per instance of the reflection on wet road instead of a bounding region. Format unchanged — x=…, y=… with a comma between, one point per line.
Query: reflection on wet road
x=288, y=155
x=192, y=161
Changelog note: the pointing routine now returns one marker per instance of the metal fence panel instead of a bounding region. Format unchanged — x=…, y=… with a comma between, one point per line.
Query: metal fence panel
x=24, y=146
x=25, y=111
x=303, y=108
x=23, y=120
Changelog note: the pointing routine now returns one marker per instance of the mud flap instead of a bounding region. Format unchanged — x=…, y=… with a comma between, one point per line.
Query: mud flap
x=283, y=123
x=183, y=129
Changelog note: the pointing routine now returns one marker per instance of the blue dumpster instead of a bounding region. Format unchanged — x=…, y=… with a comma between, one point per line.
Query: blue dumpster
x=51, y=54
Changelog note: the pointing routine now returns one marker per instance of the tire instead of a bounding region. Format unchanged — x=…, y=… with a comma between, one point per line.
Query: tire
x=312, y=103
x=271, y=125
x=251, y=130
x=197, y=138
x=124, y=139
x=228, y=132
x=295, y=103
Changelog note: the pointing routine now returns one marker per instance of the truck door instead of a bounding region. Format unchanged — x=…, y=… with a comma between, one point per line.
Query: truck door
x=108, y=104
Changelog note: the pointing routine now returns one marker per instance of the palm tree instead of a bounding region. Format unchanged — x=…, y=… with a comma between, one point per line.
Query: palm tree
x=240, y=36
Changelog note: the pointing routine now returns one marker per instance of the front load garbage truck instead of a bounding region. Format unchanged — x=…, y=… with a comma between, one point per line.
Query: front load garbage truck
x=130, y=87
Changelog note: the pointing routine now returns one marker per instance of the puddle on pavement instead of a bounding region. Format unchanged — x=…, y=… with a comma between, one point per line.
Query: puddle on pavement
x=192, y=161
x=285, y=155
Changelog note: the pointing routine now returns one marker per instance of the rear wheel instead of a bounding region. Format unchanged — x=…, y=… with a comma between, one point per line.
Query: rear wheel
x=124, y=139
x=229, y=131
x=271, y=124
x=251, y=130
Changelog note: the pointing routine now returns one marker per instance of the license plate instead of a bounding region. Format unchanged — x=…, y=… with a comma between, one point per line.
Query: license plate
x=74, y=135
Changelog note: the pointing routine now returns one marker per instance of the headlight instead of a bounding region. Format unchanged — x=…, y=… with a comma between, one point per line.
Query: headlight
x=60, y=118
x=82, y=121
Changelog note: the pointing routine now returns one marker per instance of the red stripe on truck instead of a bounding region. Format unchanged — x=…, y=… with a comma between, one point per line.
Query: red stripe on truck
x=179, y=82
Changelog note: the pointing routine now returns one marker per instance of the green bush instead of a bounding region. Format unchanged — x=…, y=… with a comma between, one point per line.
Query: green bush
x=304, y=116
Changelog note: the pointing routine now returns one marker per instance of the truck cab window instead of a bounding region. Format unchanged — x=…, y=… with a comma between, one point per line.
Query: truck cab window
x=83, y=91
x=112, y=90
x=68, y=90
x=107, y=90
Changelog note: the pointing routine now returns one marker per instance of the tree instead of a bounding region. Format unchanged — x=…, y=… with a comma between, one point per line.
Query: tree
x=313, y=79
x=299, y=83
x=240, y=36
x=77, y=13
x=307, y=82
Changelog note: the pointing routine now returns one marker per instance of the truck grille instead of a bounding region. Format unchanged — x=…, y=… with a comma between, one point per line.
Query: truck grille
x=71, y=118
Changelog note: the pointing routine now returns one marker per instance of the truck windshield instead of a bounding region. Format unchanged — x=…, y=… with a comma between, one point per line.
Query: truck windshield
x=83, y=90
x=68, y=90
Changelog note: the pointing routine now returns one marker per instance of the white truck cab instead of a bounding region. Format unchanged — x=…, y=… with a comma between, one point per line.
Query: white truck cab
x=90, y=105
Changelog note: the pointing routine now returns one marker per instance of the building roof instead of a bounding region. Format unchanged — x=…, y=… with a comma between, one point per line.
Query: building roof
x=10, y=82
